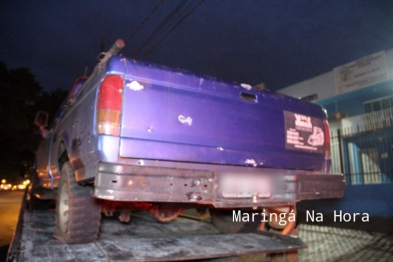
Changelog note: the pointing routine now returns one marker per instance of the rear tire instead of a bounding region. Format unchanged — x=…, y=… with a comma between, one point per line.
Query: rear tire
x=77, y=212
x=223, y=220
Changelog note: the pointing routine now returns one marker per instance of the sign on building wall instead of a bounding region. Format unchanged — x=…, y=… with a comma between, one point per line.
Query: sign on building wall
x=361, y=73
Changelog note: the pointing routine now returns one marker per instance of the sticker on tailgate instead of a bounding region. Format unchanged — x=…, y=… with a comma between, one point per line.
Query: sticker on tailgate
x=304, y=133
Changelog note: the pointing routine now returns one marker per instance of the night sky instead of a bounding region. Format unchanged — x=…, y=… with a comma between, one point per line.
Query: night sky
x=276, y=42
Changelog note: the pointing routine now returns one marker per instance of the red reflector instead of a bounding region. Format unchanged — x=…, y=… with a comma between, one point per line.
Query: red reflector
x=109, y=105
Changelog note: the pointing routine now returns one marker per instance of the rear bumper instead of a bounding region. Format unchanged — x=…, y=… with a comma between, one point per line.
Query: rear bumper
x=120, y=182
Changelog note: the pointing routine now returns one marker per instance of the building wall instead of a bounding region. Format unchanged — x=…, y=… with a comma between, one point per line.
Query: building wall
x=374, y=199
x=352, y=103
x=325, y=88
x=322, y=85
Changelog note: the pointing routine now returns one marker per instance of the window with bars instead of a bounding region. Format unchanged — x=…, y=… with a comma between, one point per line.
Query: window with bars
x=380, y=104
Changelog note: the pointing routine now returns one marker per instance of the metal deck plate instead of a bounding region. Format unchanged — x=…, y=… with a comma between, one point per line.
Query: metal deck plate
x=145, y=239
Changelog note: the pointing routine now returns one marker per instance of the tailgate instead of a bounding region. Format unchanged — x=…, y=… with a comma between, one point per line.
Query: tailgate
x=172, y=115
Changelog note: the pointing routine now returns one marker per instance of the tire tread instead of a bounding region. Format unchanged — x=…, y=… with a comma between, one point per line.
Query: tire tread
x=84, y=213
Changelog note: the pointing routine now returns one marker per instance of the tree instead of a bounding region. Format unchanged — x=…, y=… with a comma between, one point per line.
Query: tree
x=21, y=96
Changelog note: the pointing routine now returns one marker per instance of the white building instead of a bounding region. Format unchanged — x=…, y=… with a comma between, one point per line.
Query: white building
x=358, y=97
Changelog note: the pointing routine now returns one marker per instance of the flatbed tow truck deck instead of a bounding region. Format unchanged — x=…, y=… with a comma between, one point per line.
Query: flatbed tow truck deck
x=143, y=239
x=184, y=239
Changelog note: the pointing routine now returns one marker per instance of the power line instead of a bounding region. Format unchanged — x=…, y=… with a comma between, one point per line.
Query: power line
x=160, y=26
x=144, y=21
x=202, y=15
x=173, y=28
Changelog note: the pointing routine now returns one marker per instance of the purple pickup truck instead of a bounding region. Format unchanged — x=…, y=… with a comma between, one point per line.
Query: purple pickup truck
x=138, y=136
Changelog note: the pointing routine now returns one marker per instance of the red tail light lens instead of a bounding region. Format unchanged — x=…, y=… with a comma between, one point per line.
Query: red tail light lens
x=109, y=105
x=327, y=143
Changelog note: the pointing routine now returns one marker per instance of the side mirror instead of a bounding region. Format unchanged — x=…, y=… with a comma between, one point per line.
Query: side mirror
x=41, y=119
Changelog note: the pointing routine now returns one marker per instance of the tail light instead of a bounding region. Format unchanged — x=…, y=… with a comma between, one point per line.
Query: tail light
x=327, y=144
x=109, y=105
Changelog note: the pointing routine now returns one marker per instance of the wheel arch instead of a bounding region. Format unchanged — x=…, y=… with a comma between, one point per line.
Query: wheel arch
x=60, y=155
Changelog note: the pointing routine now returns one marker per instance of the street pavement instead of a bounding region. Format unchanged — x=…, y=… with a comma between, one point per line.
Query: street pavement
x=10, y=204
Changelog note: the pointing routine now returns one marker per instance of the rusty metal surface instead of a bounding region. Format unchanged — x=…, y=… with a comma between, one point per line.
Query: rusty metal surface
x=145, y=239
x=122, y=182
